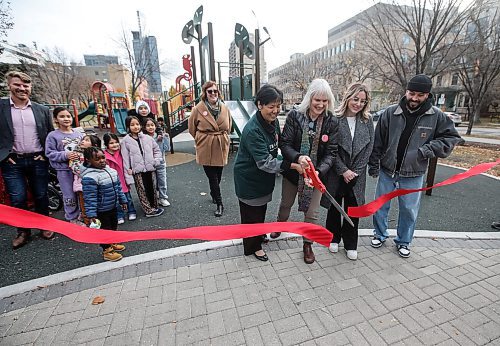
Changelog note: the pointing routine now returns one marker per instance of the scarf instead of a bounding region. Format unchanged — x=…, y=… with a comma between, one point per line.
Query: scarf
x=215, y=111
x=305, y=192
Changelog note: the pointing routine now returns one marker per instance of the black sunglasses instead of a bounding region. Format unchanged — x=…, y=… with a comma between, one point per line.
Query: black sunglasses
x=211, y=91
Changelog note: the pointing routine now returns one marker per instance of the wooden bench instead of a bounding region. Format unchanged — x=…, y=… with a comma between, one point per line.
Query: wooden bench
x=495, y=118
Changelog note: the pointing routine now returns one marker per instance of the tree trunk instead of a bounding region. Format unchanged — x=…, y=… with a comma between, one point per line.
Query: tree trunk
x=472, y=119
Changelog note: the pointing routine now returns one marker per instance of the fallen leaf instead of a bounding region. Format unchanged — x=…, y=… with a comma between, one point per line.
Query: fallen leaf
x=40, y=287
x=98, y=300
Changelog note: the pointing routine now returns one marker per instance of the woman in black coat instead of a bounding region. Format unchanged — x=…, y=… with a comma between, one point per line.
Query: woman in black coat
x=346, y=181
x=309, y=135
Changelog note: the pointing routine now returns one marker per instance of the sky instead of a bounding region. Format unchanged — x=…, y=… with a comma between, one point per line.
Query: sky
x=94, y=26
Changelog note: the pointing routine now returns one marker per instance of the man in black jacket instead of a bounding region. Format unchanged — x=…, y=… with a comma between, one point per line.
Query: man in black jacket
x=407, y=135
x=24, y=126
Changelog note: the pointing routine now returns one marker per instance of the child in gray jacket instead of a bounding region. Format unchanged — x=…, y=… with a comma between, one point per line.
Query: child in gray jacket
x=141, y=156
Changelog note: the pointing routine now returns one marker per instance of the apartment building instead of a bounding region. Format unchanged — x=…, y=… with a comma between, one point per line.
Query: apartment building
x=234, y=60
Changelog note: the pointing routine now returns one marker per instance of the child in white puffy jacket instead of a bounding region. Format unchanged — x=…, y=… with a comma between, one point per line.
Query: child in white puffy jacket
x=141, y=155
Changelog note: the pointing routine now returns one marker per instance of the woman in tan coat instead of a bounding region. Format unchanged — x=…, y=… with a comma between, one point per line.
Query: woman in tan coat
x=210, y=125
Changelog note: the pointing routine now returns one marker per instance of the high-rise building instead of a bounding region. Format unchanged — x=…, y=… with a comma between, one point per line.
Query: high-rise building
x=234, y=59
x=100, y=60
x=146, y=60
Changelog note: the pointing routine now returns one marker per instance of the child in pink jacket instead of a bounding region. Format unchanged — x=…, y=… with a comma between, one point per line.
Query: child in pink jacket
x=114, y=160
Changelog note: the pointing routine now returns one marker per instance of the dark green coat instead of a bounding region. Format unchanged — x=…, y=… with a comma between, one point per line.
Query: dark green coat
x=257, y=160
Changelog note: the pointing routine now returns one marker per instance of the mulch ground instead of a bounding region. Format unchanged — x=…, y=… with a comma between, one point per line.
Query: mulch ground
x=471, y=154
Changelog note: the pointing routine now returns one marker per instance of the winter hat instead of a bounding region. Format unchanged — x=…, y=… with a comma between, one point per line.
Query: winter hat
x=140, y=104
x=420, y=83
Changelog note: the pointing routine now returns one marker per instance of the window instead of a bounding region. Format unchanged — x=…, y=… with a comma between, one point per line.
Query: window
x=96, y=73
x=439, y=80
x=454, y=79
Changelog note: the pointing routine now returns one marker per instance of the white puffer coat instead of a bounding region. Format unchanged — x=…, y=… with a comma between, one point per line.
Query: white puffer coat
x=136, y=161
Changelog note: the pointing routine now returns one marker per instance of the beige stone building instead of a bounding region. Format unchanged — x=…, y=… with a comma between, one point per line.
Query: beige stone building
x=117, y=75
x=342, y=61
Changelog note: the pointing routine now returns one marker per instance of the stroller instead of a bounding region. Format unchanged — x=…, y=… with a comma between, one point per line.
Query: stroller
x=54, y=191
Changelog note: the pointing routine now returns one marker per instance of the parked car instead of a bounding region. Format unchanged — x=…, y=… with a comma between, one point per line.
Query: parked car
x=456, y=118
x=376, y=115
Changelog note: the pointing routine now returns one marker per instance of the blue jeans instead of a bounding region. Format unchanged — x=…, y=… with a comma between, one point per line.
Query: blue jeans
x=161, y=180
x=31, y=173
x=408, y=207
x=130, y=207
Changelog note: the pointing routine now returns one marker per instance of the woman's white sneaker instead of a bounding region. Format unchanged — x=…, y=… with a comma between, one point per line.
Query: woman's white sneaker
x=334, y=248
x=352, y=254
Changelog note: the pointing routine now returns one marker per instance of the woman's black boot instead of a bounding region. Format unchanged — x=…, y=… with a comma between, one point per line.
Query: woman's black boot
x=219, y=211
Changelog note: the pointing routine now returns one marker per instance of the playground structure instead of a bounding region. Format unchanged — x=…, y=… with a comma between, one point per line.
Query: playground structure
x=177, y=107
x=107, y=109
x=237, y=93
x=109, y=106
x=71, y=107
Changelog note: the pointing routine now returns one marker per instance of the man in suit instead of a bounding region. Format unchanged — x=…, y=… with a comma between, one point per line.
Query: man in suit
x=24, y=126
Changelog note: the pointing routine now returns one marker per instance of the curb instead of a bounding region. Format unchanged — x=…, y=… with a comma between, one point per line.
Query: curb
x=59, y=278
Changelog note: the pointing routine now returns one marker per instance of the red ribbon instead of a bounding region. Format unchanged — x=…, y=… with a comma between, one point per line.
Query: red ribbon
x=26, y=219
x=370, y=208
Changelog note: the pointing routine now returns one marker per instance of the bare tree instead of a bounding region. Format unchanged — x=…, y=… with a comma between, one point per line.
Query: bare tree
x=479, y=66
x=6, y=21
x=58, y=79
x=298, y=73
x=419, y=38
x=350, y=67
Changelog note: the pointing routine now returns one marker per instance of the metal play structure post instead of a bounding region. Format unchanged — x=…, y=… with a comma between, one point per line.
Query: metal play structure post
x=205, y=44
x=70, y=106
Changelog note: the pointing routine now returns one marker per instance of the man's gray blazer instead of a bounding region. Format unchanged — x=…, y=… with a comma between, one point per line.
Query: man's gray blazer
x=43, y=121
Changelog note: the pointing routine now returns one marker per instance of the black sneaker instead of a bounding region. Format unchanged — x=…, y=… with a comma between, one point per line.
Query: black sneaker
x=156, y=212
x=403, y=251
x=376, y=242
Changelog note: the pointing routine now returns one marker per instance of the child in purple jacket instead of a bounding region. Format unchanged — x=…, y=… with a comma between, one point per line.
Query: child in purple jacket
x=60, y=149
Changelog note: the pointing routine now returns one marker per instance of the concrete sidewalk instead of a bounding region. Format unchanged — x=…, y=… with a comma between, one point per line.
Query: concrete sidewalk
x=447, y=292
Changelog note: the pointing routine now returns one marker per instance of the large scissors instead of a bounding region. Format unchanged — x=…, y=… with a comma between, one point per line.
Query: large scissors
x=316, y=183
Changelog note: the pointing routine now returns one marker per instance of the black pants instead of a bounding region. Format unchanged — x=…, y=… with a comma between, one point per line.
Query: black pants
x=214, y=175
x=149, y=186
x=251, y=214
x=340, y=228
x=109, y=220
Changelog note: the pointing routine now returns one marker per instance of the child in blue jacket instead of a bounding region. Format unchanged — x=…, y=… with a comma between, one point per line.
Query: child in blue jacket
x=101, y=190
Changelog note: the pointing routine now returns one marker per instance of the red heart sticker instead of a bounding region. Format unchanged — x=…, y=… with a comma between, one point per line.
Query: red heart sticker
x=324, y=138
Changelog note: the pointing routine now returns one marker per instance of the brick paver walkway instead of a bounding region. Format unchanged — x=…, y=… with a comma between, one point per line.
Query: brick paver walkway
x=446, y=293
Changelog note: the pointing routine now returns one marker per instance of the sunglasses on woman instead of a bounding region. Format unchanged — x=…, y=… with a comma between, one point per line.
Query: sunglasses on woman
x=212, y=91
